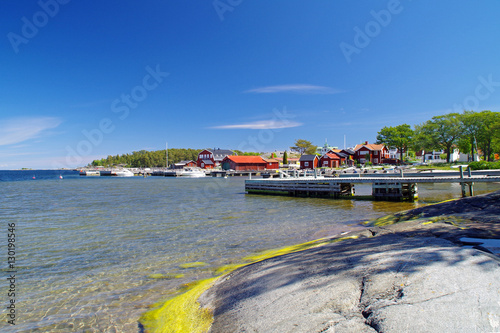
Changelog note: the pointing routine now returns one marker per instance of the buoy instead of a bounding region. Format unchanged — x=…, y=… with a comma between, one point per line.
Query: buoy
x=60, y=177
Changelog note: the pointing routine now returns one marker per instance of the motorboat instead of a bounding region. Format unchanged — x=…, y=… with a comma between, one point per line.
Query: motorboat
x=191, y=173
x=122, y=173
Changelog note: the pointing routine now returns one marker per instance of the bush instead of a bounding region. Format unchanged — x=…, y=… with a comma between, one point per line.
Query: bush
x=483, y=165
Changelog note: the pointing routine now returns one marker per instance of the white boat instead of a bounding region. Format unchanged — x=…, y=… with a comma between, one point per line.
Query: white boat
x=122, y=173
x=191, y=173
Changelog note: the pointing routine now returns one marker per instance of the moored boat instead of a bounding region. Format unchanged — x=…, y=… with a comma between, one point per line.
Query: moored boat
x=122, y=173
x=191, y=173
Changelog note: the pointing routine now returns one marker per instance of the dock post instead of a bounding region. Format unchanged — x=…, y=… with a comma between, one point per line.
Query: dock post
x=250, y=175
x=464, y=194
x=471, y=189
x=315, y=173
x=401, y=172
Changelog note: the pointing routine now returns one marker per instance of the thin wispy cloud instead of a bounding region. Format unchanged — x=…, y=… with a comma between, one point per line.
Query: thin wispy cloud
x=263, y=124
x=295, y=88
x=17, y=130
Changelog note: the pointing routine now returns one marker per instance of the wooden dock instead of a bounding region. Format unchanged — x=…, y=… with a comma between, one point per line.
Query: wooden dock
x=383, y=188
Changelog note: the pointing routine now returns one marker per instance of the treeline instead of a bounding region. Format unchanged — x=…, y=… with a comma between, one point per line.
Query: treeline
x=475, y=133
x=149, y=159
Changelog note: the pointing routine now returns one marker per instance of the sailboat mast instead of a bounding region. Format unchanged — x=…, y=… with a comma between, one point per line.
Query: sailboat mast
x=166, y=153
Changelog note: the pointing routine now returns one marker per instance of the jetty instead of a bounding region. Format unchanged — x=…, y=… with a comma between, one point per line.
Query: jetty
x=391, y=187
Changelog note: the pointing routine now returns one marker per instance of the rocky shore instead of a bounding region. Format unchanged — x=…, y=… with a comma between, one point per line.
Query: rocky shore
x=418, y=271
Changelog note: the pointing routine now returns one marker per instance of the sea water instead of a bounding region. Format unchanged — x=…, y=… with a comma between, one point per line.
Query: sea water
x=94, y=253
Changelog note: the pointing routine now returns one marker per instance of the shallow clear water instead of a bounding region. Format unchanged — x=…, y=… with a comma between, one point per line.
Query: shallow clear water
x=87, y=246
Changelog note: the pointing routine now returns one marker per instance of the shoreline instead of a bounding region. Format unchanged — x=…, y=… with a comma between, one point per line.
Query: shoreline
x=364, y=282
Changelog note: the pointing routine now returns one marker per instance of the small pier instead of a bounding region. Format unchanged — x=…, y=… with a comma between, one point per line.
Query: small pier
x=391, y=188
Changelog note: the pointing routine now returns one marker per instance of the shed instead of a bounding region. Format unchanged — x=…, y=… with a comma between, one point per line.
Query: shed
x=272, y=163
x=308, y=161
x=243, y=163
x=184, y=164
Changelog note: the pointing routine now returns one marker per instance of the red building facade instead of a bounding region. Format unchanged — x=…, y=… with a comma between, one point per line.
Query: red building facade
x=209, y=159
x=309, y=161
x=244, y=163
x=331, y=160
x=373, y=153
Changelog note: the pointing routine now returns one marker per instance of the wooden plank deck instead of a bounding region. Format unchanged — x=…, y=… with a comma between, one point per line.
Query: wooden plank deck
x=390, y=188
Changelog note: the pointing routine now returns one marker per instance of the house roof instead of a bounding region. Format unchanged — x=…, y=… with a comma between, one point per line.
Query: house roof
x=271, y=160
x=370, y=146
x=219, y=152
x=184, y=162
x=349, y=151
x=307, y=158
x=246, y=159
x=209, y=162
x=332, y=155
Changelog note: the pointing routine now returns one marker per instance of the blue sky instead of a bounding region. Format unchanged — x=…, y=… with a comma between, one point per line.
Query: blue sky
x=81, y=80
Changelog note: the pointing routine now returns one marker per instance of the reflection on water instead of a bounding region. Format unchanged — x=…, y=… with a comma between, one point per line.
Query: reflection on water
x=89, y=249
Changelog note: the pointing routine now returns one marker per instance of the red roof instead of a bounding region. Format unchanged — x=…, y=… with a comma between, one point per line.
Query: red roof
x=333, y=156
x=370, y=146
x=246, y=159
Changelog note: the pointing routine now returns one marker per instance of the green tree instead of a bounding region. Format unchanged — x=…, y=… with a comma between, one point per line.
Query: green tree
x=398, y=137
x=489, y=137
x=285, y=158
x=303, y=147
x=441, y=132
x=472, y=125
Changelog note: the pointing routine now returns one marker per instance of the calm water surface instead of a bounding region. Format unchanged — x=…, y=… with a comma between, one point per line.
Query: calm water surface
x=87, y=247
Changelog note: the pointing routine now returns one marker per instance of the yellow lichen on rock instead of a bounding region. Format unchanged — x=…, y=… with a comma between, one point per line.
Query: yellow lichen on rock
x=181, y=313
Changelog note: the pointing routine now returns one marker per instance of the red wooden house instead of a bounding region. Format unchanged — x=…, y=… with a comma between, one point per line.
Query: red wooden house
x=184, y=164
x=209, y=159
x=370, y=153
x=272, y=164
x=332, y=159
x=243, y=163
x=309, y=161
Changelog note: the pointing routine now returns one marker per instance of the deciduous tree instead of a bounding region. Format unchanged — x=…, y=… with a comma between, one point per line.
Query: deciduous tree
x=396, y=137
x=440, y=132
x=303, y=147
